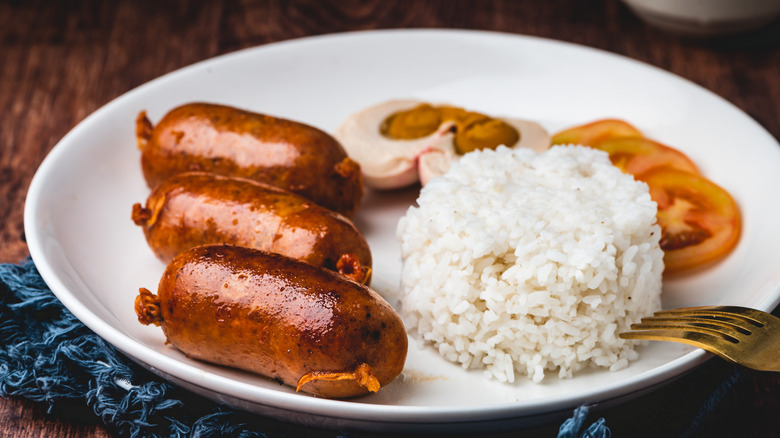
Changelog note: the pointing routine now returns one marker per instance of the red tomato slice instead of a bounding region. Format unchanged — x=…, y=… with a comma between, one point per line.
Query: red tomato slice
x=699, y=220
x=594, y=132
x=636, y=155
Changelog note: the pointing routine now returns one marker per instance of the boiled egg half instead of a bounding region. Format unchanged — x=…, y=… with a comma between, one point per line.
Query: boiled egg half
x=400, y=142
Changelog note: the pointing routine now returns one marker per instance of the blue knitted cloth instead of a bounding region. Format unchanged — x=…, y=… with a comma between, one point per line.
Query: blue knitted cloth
x=49, y=356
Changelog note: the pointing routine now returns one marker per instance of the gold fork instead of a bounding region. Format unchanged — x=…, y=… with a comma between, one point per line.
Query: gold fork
x=741, y=335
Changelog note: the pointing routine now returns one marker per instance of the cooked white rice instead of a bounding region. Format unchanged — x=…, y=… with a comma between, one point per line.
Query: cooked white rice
x=518, y=262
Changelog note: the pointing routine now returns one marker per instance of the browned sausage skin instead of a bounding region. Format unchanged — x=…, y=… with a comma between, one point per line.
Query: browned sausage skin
x=234, y=142
x=197, y=208
x=278, y=317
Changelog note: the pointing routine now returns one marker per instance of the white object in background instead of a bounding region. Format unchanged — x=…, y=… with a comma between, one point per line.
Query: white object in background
x=706, y=17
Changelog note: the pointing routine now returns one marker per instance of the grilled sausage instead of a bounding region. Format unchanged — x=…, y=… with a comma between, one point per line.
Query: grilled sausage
x=198, y=208
x=279, y=317
x=234, y=142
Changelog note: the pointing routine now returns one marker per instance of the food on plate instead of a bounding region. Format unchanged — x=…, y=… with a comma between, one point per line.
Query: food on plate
x=401, y=142
x=517, y=262
x=595, y=132
x=700, y=221
x=279, y=317
x=234, y=142
x=197, y=208
x=636, y=155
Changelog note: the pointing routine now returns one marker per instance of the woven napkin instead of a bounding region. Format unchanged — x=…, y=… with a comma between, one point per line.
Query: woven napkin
x=49, y=356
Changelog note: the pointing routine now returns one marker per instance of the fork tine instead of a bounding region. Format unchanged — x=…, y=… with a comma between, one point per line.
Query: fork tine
x=724, y=329
x=731, y=313
x=713, y=344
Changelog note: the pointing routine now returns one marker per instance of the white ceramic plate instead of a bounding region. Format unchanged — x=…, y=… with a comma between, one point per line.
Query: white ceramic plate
x=80, y=235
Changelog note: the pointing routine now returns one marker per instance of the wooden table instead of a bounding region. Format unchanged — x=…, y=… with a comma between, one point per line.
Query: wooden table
x=60, y=61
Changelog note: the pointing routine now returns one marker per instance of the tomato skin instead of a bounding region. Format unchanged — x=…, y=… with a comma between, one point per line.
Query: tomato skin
x=637, y=155
x=596, y=131
x=700, y=221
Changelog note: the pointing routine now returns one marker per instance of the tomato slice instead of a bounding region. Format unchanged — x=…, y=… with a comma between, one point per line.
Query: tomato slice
x=594, y=132
x=699, y=220
x=636, y=155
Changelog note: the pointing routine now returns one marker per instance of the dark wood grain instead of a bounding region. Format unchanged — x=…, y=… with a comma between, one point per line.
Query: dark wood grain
x=62, y=60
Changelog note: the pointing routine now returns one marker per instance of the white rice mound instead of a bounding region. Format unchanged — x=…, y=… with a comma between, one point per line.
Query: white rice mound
x=518, y=262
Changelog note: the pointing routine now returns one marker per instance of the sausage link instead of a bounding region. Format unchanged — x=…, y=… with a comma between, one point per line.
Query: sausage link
x=279, y=317
x=230, y=141
x=198, y=208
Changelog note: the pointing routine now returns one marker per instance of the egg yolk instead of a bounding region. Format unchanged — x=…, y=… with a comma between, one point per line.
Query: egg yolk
x=417, y=122
x=472, y=130
x=486, y=133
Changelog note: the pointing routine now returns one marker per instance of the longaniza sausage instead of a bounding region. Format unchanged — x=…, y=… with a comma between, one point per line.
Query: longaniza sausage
x=278, y=317
x=197, y=208
x=234, y=142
